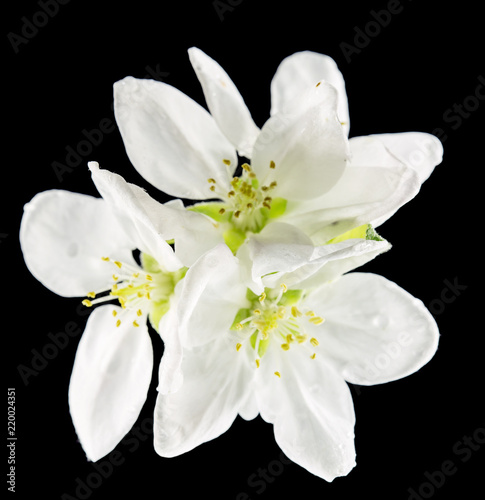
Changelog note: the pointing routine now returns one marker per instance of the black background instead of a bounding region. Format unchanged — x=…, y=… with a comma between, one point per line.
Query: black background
x=58, y=82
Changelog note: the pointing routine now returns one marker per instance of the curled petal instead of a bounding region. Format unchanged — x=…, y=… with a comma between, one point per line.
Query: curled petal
x=302, y=70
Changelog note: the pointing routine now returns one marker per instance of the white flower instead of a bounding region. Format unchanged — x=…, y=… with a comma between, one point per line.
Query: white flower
x=304, y=172
x=78, y=245
x=287, y=353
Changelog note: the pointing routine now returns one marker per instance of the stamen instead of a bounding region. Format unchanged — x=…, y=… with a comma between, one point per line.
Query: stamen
x=226, y=162
x=91, y=295
x=238, y=346
x=222, y=211
x=316, y=320
x=117, y=263
x=272, y=164
x=135, y=323
x=257, y=363
x=211, y=181
x=314, y=342
x=295, y=312
x=87, y=303
x=278, y=374
x=118, y=323
x=314, y=355
x=285, y=347
x=262, y=297
x=114, y=313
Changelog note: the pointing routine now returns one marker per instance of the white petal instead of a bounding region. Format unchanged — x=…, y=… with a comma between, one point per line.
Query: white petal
x=109, y=382
x=216, y=382
x=225, y=102
x=279, y=248
x=171, y=140
x=332, y=261
x=210, y=296
x=193, y=233
x=418, y=150
x=311, y=408
x=63, y=236
x=372, y=188
x=147, y=221
x=308, y=147
x=170, y=375
x=374, y=331
x=302, y=70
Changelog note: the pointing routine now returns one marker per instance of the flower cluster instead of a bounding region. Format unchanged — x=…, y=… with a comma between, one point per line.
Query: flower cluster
x=250, y=286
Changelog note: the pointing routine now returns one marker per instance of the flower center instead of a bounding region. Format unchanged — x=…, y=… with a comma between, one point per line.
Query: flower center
x=275, y=316
x=141, y=291
x=247, y=207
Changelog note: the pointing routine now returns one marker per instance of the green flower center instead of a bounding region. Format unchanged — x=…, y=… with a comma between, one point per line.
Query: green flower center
x=247, y=207
x=274, y=316
x=144, y=291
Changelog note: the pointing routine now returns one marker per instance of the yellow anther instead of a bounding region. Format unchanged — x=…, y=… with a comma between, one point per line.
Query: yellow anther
x=273, y=184
x=316, y=320
x=301, y=338
x=278, y=374
x=139, y=312
x=114, y=313
x=135, y=275
x=106, y=259
x=87, y=303
x=135, y=323
x=117, y=263
x=285, y=347
x=246, y=167
x=211, y=181
x=212, y=188
x=309, y=313
x=252, y=175
x=257, y=312
x=140, y=294
x=118, y=323
x=262, y=297
x=91, y=295
x=285, y=288
x=289, y=338
x=314, y=342
x=314, y=355
x=264, y=188
x=272, y=164
x=281, y=312
x=149, y=277
x=318, y=84
x=237, y=213
x=231, y=193
x=148, y=296
x=222, y=211
x=226, y=162
x=267, y=205
x=238, y=346
x=115, y=278
x=295, y=312
x=249, y=205
x=238, y=326
x=257, y=363
x=114, y=287
x=268, y=199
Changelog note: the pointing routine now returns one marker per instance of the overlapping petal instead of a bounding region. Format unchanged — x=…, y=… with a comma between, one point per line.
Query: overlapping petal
x=307, y=145
x=171, y=140
x=215, y=386
x=302, y=70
